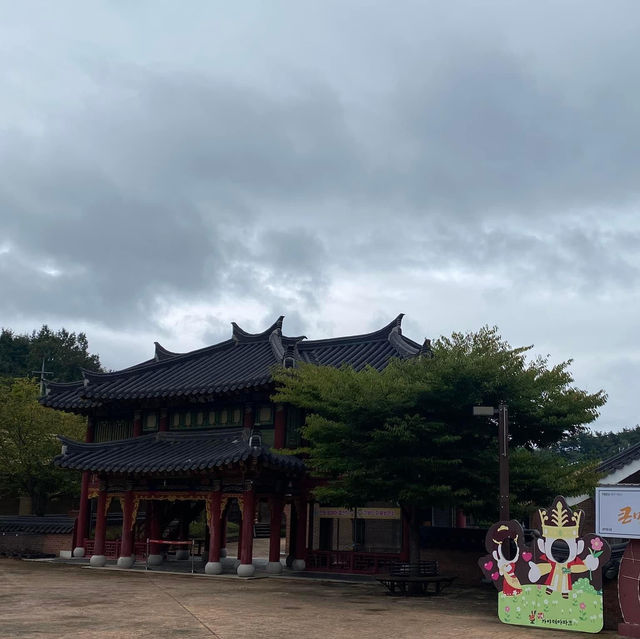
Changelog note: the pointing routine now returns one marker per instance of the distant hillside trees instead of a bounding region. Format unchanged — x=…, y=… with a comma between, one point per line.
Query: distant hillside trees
x=64, y=354
x=28, y=443
x=28, y=431
x=590, y=446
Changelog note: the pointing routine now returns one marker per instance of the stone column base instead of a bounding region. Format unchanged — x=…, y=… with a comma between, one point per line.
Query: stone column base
x=298, y=565
x=126, y=562
x=213, y=568
x=78, y=551
x=246, y=570
x=182, y=554
x=97, y=560
x=274, y=567
x=154, y=560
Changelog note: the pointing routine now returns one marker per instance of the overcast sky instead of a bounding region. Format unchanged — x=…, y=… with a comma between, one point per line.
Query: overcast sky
x=169, y=167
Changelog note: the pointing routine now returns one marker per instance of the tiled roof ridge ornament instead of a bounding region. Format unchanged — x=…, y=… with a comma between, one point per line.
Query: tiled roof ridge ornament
x=285, y=349
x=396, y=340
x=425, y=349
x=240, y=336
x=162, y=353
x=289, y=360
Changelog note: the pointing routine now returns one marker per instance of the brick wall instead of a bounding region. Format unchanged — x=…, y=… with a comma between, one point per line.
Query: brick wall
x=11, y=544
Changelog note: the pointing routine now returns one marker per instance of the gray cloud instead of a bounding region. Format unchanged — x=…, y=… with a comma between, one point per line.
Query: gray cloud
x=338, y=165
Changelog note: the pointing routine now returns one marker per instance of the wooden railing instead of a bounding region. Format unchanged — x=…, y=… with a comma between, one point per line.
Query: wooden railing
x=350, y=561
x=112, y=548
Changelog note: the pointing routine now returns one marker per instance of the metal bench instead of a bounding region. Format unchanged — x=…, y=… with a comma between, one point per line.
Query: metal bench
x=415, y=579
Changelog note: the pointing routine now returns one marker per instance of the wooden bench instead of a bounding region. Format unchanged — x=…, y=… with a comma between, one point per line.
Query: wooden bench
x=415, y=579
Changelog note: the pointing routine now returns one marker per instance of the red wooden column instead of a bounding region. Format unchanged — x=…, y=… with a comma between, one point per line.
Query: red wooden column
x=240, y=531
x=83, y=513
x=214, y=565
x=155, y=550
x=248, y=420
x=277, y=506
x=280, y=423
x=126, y=560
x=98, y=558
x=163, y=422
x=137, y=423
x=461, y=518
x=246, y=567
x=223, y=534
x=299, y=563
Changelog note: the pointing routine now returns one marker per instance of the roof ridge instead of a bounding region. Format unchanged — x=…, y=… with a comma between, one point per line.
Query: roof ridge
x=621, y=455
x=61, y=385
x=153, y=363
x=381, y=334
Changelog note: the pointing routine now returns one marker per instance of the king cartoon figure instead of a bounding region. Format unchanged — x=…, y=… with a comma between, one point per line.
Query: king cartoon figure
x=560, y=561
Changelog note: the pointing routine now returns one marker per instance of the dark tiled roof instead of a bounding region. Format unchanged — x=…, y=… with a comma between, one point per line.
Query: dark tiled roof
x=616, y=462
x=243, y=362
x=31, y=524
x=171, y=452
x=374, y=349
x=65, y=396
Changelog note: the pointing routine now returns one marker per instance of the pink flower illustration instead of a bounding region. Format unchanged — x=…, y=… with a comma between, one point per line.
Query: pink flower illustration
x=596, y=543
x=507, y=609
x=583, y=606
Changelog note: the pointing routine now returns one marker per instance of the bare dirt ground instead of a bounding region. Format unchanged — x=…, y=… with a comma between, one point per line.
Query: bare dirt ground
x=52, y=601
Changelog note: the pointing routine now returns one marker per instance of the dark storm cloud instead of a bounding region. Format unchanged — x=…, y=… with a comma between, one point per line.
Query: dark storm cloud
x=153, y=185
x=154, y=198
x=486, y=130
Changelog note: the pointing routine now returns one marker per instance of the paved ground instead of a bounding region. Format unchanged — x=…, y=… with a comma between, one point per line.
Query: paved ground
x=49, y=601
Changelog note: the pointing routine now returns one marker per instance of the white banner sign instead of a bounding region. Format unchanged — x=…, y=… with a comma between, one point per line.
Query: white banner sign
x=618, y=511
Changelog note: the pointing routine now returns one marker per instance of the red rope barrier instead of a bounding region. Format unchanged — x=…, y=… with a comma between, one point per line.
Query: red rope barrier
x=170, y=542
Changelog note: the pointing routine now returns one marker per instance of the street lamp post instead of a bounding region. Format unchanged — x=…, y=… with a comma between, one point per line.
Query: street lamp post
x=503, y=449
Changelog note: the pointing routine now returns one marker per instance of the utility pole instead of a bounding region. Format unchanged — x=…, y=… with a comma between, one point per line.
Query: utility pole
x=503, y=450
x=42, y=373
x=503, y=436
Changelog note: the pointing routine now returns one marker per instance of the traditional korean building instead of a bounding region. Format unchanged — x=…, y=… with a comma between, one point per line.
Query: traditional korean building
x=183, y=432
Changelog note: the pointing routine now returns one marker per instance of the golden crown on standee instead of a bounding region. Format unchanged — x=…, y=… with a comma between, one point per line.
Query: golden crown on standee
x=560, y=522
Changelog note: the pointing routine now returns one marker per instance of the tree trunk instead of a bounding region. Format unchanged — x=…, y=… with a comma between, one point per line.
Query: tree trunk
x=38, y=503
x=410, y=513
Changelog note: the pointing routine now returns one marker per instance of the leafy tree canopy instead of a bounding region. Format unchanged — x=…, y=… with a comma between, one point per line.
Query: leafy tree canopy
x=597, y=446
x=28, y=444
x=64, y=354
x=407, y=434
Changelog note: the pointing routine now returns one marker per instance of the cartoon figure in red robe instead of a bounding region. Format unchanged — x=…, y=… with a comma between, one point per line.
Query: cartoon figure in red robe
x=559, y=523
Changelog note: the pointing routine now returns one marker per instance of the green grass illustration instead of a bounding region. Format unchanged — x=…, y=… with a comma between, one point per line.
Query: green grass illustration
x=582, y=611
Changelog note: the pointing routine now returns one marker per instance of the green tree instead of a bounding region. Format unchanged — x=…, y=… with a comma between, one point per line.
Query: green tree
x=64, y=354
x=407, y=434
x=588, y=446
x=28, y=444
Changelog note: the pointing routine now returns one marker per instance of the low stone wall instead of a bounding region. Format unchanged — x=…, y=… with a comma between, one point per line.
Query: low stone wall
x=20, y=544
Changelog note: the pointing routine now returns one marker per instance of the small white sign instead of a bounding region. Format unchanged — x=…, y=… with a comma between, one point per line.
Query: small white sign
x=618, y=511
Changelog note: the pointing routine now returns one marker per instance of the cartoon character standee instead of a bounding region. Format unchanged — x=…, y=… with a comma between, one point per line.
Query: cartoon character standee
x=561, y=562
x=555, y=582
x=497, y=565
